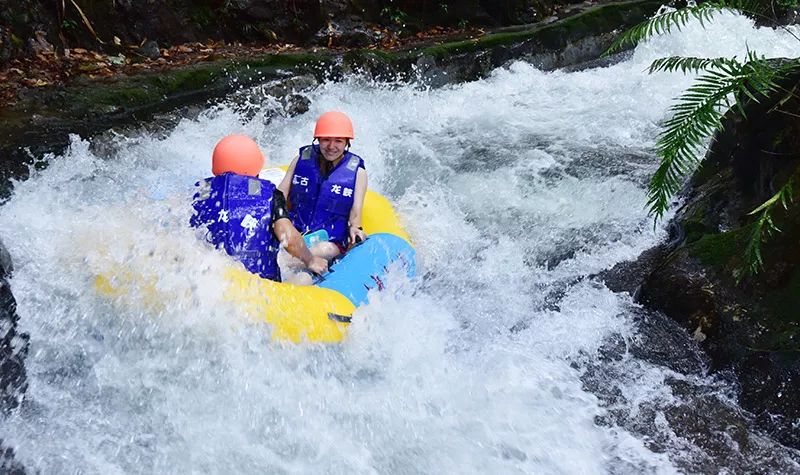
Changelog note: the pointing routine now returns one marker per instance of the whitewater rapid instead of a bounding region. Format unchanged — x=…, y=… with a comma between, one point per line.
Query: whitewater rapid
x=513, y=188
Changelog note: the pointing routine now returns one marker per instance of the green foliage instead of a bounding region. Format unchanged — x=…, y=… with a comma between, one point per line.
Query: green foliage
x=765, y=226
x=689, y=64
x=697, y=115
x=664, y=23
x=723, y=84
x=69, y=25
x=719, y=249
x=395, y=15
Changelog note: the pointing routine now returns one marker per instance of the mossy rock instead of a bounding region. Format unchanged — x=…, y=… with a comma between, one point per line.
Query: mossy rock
x=592, y=21
x=721, y=250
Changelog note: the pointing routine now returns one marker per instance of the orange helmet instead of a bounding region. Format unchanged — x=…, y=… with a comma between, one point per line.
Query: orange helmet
x=334, y=124
x=237, y=154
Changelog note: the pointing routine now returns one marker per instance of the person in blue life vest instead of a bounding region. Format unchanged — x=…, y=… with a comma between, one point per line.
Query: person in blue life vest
x=326, y=184
x=246, y=215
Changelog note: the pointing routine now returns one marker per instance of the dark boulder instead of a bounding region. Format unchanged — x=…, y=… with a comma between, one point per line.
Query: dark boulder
x=8, y=465
x=6, y=46
x=149, y=50
x=627, y=276
x=13, y=349
x=769, y=382
x=347, y=32
x=13, y=345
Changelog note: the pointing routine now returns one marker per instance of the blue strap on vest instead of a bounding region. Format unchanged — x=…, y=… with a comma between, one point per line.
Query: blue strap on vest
x=318, y=202
x=235, y=210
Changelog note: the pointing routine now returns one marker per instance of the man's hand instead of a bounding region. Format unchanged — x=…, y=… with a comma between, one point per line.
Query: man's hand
x=357, y=232
x=317, y=265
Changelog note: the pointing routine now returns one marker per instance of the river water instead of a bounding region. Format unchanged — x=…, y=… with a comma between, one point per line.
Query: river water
x=501, y=357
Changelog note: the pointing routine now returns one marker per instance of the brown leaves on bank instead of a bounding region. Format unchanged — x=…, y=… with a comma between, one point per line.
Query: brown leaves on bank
x=49, y=68
x=392, y=40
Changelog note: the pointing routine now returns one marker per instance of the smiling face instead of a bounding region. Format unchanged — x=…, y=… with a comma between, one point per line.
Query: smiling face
x=332, y=148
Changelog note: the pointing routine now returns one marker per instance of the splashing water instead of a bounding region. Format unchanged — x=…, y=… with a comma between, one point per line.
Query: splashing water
x=513, y=188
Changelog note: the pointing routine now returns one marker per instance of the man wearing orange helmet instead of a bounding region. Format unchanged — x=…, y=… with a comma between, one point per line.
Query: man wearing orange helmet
x=246, y=215
x=326, y=185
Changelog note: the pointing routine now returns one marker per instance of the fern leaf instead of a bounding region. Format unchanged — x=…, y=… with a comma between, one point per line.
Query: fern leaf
x=764, y=226
x=666, y=22
x=690, y=64
x=698, y=115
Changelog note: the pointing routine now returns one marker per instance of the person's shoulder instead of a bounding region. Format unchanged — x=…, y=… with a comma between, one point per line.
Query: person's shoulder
x=306, y=151
x=361, y=164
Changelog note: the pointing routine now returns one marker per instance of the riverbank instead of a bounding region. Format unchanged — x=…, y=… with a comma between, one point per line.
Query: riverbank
x=37, y=51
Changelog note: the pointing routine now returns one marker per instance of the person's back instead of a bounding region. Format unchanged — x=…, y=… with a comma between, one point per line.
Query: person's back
x=246, y=215
x=235, y=209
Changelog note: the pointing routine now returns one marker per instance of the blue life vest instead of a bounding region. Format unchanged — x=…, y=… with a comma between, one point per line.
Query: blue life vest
x=317, y=202
x=236, y=210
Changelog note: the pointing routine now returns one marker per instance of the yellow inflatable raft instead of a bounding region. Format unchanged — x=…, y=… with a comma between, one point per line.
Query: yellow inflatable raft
x=317, y=313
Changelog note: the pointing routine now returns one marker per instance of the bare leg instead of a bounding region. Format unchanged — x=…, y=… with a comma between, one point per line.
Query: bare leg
x=326, y=250
x=299, y=278
x=293, y=270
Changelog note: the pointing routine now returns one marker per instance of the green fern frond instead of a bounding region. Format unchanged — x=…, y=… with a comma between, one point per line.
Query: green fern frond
x=725, y=84
x=689, y=64
x=764, y=227
x=698, y=115
x=665, y=22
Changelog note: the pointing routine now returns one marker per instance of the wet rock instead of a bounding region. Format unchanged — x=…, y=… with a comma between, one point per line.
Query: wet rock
x=13, y=350
x=769, y=382
x=790, y=17
x=295, y=84
x=295, y=104
x=149, y=50
x=334, y=8
x=6, y=266
x=693, y=421
x=39, y=44
x=602, y=62
x=372, y=64
x=6, y=45
x=290, y=93
x=9, y=466
x=663, y=342
x=628, y=276
x=695, y=309
x=346, y=32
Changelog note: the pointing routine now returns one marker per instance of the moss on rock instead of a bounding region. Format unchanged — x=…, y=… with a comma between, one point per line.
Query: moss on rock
x=592, y=21
x=722, y=250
